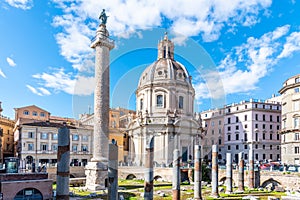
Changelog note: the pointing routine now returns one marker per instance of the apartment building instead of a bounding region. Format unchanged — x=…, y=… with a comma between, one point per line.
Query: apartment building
x=253, y=124
x=38, y=142
x=290, y=139
x=36, y=137
x=248, y=124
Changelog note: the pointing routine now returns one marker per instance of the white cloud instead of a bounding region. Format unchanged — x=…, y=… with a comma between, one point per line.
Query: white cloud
x=22, y=4
x=187, y=18
x=44, y=91
x=280, y=31
x=292, y=44
x=74, y=42
x=2, y=74
x=245, y=65
x=38, y=91
x=66, y=82
x=11, y=62
x=33, y=90
x=240, y=70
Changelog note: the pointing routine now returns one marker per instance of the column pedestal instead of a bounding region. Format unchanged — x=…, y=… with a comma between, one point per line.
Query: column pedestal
x=96, y=175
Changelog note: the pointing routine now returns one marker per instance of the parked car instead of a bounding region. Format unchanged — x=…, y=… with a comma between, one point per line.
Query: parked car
x=292, y=168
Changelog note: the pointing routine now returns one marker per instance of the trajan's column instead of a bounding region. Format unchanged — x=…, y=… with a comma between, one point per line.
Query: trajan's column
x=97, y=169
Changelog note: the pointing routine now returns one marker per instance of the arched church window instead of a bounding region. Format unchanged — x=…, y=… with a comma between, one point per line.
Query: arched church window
x=180, y=102
x=159, y=100
x=141, y=104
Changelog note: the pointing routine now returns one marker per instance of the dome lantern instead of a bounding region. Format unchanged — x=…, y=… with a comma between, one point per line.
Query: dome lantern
x=165, y=48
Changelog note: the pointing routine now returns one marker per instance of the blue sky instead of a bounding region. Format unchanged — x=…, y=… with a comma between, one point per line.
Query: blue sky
x=234, y=51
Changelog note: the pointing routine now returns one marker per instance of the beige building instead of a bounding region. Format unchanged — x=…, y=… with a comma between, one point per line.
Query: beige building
x=36, y=134
x=38, y=141
x=118, y=121
x=6, y=137
x=290, y=140
x=31, y=113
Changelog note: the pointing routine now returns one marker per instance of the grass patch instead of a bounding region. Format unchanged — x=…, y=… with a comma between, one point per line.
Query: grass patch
x=132, y=190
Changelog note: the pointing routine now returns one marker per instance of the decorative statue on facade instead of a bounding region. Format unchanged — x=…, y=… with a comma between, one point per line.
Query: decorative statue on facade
x=103, y=17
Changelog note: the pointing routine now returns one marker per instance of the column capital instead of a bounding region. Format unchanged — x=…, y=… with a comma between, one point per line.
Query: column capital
x=102, y=38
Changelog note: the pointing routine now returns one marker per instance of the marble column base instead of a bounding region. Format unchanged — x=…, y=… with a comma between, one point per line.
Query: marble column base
x=96, y=173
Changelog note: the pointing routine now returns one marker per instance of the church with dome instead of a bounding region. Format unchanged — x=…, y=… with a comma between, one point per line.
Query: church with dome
x=165, y=111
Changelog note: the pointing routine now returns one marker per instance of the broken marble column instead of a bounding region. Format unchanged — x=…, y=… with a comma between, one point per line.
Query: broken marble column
x=251, y=168
x=241, y=173
x=148, y=184
x=197, y=173
x=113, y=172
x=228, y=174
x=214, y=172
x=63, y=163
x=176, y=175
x=257, y=178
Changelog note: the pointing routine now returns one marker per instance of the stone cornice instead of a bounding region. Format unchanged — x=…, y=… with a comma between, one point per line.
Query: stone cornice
x=98, y=41
x=287, y=87
x=7, y=122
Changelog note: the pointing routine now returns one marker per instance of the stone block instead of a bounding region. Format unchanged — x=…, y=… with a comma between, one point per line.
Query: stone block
x=96, y=176
x=279, y=189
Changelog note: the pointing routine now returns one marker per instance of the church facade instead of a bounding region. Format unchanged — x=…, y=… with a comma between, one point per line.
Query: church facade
x=165, y=111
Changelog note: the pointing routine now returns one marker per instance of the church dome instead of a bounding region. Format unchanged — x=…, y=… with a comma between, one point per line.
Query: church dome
x=165, y=86
x=165, y=68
